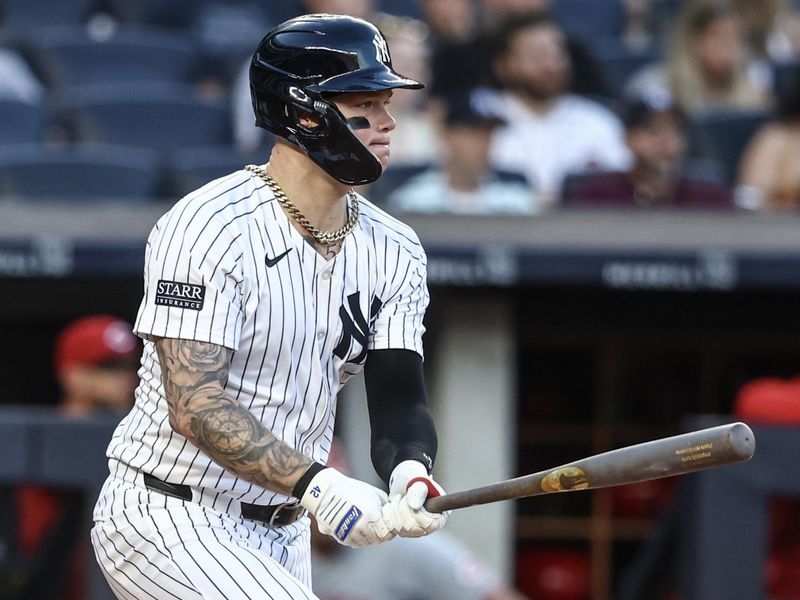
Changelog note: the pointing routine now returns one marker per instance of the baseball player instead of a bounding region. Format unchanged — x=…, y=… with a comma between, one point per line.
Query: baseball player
x=264, y=292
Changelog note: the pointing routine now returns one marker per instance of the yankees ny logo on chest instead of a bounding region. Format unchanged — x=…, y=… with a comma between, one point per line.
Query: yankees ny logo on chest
x=355, y=328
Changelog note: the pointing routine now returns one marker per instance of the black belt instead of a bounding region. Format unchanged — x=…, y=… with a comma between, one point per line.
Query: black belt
x=275, y=515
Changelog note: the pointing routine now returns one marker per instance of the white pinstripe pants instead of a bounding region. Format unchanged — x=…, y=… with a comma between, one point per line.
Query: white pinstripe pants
x=152, y=546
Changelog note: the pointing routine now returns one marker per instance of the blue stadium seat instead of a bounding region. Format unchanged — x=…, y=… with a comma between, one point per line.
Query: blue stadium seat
x=78, y=173
x=232, y=28
x=726, y=135
x=786, y=77
x=20, y=122
x=130, y=55
x=194, y=167
x=402, y=8
x=588, y=19
x=23, y=16
x=161, y=117
x=392, y=179
x=619, y=62
x=172, y=14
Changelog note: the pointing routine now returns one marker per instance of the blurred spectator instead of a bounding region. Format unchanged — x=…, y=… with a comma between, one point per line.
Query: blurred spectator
x=656, y=133
x=95, y=361
x=465, y=182
x=550, y=132
x=17, y=81
x=587, y=77
x=415, y=140
x=435, y=567
x=458, y=59
x=640, y=29
x=450, y=20
x=772, y=28
x=363, y=9
x=707, y=68
x=769, y=173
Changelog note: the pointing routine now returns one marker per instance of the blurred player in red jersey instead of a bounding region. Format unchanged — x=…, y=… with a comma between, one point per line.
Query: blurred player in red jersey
x=95, y=360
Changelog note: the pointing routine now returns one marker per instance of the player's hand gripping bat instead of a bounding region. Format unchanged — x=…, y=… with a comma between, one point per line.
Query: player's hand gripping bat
x=685, y=453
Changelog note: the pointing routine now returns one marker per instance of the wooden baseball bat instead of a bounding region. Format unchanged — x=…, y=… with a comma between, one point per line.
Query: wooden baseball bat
x=685, y=453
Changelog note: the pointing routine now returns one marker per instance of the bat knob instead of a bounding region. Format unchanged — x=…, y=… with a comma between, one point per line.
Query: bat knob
x=742, y=441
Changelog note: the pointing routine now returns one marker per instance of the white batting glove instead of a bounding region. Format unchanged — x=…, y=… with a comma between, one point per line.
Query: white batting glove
x=347, y=509
x=409, y=487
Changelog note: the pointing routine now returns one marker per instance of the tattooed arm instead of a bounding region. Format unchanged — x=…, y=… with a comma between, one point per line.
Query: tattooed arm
x=194, y=375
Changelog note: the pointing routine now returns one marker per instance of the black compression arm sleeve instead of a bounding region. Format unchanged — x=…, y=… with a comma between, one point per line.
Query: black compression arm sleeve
x=400, y=420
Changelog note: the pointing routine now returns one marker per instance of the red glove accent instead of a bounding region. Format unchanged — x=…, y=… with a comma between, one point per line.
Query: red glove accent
x=432, y=491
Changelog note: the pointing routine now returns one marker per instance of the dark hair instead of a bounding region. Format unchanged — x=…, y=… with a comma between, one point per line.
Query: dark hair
x=637, y=112
x=701, y=15
x=501, y=36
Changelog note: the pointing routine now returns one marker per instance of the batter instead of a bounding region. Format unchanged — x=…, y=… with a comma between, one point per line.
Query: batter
x=264, y=291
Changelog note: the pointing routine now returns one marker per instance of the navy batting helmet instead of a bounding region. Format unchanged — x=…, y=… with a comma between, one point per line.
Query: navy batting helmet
x=299, y=65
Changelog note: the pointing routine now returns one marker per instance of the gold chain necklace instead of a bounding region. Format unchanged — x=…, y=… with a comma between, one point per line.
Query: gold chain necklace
x=323, y=237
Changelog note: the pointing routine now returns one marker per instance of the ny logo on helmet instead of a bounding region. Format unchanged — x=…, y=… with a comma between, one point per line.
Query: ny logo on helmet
x=381, y=49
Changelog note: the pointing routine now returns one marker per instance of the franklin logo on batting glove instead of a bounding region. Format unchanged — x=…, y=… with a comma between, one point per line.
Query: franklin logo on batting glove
x=349, y=520
x=346, y=509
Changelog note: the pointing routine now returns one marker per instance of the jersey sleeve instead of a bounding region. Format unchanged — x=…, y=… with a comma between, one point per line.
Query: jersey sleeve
x=398, y=324
x=192, y=283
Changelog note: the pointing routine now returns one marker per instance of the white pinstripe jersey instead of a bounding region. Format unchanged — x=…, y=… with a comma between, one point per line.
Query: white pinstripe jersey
x=226, y=266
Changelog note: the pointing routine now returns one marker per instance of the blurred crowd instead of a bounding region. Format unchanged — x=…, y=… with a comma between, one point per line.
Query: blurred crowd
x=530, y=104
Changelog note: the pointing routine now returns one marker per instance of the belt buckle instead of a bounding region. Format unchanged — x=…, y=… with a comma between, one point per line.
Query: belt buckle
x=279, y=509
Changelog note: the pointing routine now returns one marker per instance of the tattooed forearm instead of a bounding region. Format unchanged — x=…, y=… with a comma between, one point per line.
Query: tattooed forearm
x=194, y=375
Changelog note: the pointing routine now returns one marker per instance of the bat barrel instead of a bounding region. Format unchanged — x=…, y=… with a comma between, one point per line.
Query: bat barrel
x=677, y=455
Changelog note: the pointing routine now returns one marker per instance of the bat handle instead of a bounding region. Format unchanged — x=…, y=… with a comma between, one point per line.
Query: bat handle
x=439, y=504
x=436, y=504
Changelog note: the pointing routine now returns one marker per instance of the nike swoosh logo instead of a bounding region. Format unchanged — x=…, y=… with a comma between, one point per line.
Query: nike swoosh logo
x=271, y=262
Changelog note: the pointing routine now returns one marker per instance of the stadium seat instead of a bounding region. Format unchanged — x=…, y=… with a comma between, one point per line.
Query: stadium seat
x=78, y=173
x=726, y=135
x=20, y=122
x=232, y=28
x=130, y=55
x=392, y=179
x=160, y=117
x=589, y=19
x=619, y=62
x=707, y=171
x=173, y=14
x=194, y=167
x=23, y=16
x=573, y=182
x=402, y=8
x=786, y=77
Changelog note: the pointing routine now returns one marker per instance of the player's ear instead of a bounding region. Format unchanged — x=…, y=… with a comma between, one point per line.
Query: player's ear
x=307, y=121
